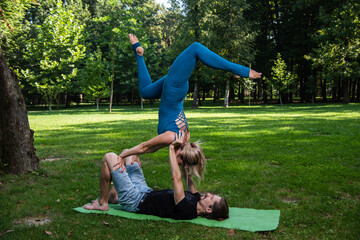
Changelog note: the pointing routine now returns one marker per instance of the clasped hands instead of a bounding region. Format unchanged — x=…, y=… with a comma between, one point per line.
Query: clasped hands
x=179, y=140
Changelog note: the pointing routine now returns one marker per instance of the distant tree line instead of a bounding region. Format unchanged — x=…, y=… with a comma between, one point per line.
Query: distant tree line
x=67, y=51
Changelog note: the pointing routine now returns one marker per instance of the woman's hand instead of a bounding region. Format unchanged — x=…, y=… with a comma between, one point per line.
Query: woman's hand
x=179, y=139
x=123, y=152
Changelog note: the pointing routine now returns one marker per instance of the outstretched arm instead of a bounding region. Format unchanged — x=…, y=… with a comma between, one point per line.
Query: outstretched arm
x=152, y=145
x=179, y=193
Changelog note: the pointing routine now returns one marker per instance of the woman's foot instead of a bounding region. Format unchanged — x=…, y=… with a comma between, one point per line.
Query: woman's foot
x=254, y=75
x=95, y=205
x=133, y=39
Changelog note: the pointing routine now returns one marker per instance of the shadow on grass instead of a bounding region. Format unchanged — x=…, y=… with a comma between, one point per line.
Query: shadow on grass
x=303, y=160
x=288, y=108
x=253, y=109
x=80, y=111
x=258, y=138
x=247, y=153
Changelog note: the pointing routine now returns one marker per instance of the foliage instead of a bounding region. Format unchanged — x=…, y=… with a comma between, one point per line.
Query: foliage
x=281, y=78
x=338, y=51
x=11, y=16
x=95, y=77
x=249, y=85
x=57, y=48
x=249, y=33
x=221, y=26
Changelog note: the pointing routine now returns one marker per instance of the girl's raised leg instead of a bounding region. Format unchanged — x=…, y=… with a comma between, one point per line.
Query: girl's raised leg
x=184, y=64
x=147, y=88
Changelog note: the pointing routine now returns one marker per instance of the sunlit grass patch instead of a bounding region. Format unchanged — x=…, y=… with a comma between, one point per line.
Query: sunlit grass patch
x=301, y=159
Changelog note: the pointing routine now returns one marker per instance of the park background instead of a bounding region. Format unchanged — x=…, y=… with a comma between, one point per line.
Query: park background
x=68, y=52
x=289, y=141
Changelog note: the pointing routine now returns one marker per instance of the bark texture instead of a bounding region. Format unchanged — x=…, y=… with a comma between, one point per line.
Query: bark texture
x=17, y=151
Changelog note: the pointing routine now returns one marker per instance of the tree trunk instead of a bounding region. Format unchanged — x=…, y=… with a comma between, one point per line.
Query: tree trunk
x=346, y=91
x=68, y=100
x=254, y=92
x=195, y=104
x=132, y=98
x=113, y=74
x=17, y=151
x=302, y=90
x=58, y=101
x=226, y=97
x=358, y=91
x=215, y=93
x=232, y=93
x=242, y=96
x=334, y=91
x=323, y=89
x=353, y=88
x=265, y=97
x=340, y=93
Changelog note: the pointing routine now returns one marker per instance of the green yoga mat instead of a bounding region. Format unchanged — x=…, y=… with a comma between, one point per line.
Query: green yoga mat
x=239, y=218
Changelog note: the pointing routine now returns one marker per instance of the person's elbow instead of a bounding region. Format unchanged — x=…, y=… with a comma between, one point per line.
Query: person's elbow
x=176, y=179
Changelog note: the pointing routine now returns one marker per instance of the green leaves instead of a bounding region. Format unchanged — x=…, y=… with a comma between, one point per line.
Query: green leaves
x=11, y=16
x=281, y=78
x=58, y=49
x=338, y=54
x=95, y=76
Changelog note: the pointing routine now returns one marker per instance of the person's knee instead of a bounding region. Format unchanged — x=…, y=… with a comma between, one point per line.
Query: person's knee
x=108, y=157
x=195, y=44
x=144, y=93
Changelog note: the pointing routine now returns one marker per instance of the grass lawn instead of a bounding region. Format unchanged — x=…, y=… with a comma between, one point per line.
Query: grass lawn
x=301, y=159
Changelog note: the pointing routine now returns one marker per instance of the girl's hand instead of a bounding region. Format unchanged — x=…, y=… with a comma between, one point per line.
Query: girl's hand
x=179, y=139
x=123, y=152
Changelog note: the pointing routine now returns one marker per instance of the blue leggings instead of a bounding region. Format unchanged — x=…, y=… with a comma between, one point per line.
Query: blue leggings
x=173, y=87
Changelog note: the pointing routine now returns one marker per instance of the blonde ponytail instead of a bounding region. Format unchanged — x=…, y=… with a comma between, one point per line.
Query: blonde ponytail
x=194, y=160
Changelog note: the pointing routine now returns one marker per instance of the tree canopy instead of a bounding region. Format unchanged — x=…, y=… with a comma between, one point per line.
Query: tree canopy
x=57, y=46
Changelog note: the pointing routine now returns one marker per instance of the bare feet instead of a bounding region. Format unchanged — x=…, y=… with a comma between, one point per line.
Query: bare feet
x=254, y=75
x=133, y=39
x=95, y=205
